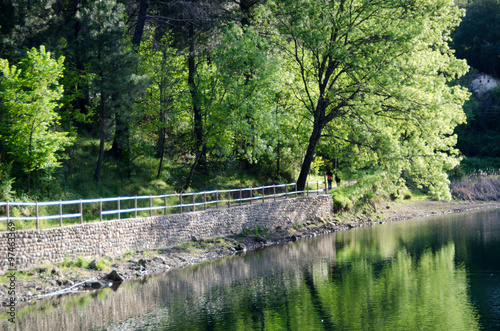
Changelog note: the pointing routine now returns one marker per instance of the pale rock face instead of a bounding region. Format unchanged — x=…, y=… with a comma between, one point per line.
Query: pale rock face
x=482, y=83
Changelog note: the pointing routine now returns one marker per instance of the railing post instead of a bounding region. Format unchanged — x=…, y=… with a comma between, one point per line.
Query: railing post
x=204, y=200
x=118, y=207
x=194, y=207
x=81, y=212
x=135, y=206
x=263, y=194
x=274, y=191
x=228, y=198
x=100, y=209
x=37, y=216
x=295, y=189
x=317, y=188
x=216, y=199
x=150, y=206
x=165, y=204
x=241, y=197
x=60, y=213
x=180, y=203
x=251, y=194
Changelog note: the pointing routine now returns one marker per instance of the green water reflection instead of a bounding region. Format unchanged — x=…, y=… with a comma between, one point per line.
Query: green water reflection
x=367, y=287
x=440, y=273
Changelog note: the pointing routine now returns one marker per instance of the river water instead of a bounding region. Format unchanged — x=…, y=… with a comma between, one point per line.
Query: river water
x=438, y=273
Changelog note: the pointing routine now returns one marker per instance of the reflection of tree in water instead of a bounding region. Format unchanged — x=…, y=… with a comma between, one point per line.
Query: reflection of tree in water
x=407, y=293
x=404, y=292
x=365, y=280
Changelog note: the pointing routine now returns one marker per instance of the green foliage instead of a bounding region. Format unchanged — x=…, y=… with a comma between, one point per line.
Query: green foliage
x=319, y=165
x=110, y=78
x=240, y=92
x=162, y=110
x=341, y=203
x=101, y=265
x=359, y=87
x=29, y=93
x=6, y=192
x=200, y=244
x=471, y=165
x=369, y=189
x=81, y=262
x=377, y=82
x=257, y=231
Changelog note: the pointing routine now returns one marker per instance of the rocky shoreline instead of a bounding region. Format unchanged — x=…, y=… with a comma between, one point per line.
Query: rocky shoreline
x=50, y=281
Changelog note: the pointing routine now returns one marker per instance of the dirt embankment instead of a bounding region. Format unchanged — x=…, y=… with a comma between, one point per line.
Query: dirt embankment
x=48, y=281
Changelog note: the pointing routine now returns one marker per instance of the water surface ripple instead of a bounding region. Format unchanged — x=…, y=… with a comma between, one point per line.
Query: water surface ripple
x=439, y=273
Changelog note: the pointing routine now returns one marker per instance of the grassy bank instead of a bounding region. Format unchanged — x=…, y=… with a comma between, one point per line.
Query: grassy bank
x=137, y=176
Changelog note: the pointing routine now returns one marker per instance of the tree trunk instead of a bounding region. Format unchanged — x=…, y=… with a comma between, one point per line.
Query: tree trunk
x=141, y=21
x=163, y=119
x=162, y=126
x=161, y=164
x=28, y=183
x=278, y=161
x=97, y=174
x=82, y=100
x=197, y=115
x=309, y=157
x=193, y=167
x=121, y=139
x=245, y=7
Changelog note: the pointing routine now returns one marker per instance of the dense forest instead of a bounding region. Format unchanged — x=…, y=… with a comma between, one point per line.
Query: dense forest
x=108, y=97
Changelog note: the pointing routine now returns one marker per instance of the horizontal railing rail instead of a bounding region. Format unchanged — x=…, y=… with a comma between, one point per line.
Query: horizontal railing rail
x=185, y=202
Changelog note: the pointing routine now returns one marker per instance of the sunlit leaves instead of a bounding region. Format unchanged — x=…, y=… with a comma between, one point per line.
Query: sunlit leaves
x=29, y=94
x=239, y=91
x=375, y=75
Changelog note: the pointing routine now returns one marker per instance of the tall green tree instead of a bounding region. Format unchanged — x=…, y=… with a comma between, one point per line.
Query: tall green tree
x=29, y=94
x=237, y=95
x=162, y=105
x=109, y=64
x=369, y=68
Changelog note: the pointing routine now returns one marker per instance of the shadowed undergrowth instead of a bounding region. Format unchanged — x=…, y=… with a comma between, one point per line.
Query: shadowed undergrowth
x=477, y=186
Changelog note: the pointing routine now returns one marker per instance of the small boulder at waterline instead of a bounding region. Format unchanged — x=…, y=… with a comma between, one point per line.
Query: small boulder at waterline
x=114, y=276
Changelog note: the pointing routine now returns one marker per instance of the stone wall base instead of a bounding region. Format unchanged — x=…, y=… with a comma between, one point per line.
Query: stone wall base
x=114, y=238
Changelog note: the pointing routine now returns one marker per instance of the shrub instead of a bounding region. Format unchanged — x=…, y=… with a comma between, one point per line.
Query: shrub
x=100, y=265
x=341, y=203
x=407, y=194
x=473, y=166
x=370, y=189
x=81, y=262
x=477, y=187
x=6, y=182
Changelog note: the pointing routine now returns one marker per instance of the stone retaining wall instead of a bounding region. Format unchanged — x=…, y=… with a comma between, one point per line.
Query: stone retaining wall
x=114, y=238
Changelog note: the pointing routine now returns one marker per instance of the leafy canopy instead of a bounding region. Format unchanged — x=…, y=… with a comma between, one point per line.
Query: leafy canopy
x=376, y=76
x=29, y=94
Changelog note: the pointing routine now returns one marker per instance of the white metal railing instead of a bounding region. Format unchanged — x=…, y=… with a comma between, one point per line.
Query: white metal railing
x=186, y=202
